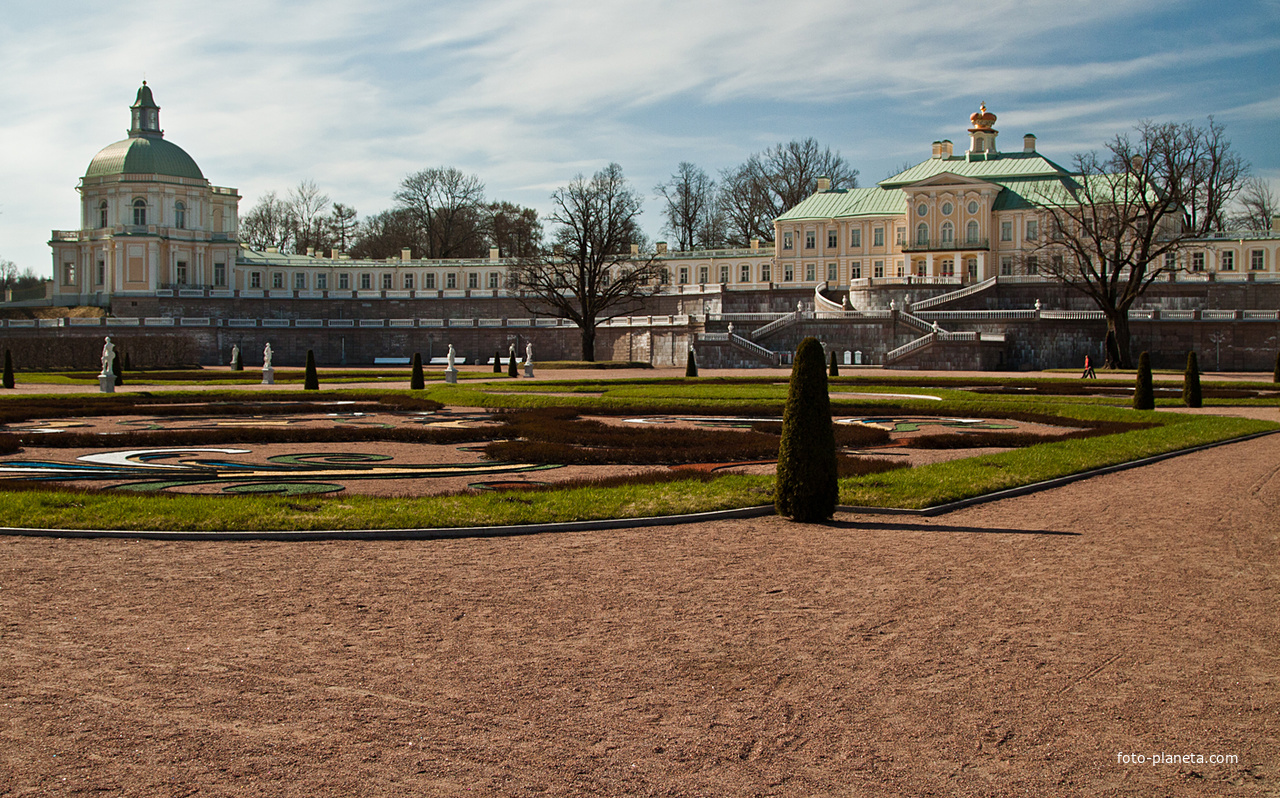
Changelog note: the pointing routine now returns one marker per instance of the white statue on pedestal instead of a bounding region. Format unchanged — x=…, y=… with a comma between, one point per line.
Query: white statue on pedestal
x=528, y=354
x=266, y=357
x=451, y=359
x=235, y=354
x=108, y=357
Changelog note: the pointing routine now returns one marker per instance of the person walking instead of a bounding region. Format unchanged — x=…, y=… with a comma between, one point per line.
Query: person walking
x=1088, y=369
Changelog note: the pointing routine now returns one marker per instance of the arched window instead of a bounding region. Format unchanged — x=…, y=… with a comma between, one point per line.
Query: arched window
x=179, y=215
x=948, y=233
x=140, y=212
x=971, y=232
x=922, y=234
x=102, y=214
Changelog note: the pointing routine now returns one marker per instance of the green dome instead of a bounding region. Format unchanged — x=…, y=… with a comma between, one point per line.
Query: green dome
x=144, y=155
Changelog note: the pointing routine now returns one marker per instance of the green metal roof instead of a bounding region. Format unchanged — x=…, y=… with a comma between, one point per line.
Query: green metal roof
x=842, y=203
x=144, y=155
x=1001, y=165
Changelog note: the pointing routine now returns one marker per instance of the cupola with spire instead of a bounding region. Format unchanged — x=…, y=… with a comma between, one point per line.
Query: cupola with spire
x=982, y=136
x=145, y=114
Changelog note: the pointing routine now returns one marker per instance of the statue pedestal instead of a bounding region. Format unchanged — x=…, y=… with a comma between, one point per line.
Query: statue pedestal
x=528, y=369
x=107, y=383
x=268, y=376
x=451, y=376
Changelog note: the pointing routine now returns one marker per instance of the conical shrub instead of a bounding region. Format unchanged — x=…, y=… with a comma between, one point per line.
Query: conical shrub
x=807, y=487
x=1275, y=375
x=1144, y=396
x=497, y=362
x=834, y=369
x=117, y=370
x=416, y=381
x=1191, y=396
x=511, y=364
x=311, y=382
x=8, y=369
x=691, y=364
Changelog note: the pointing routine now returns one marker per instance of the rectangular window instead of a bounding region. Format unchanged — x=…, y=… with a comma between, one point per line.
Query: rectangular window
x=921, y=269
x=684, y=275
x=877, y=270
x=277, y=279
x=745, y=275
x=366, y=281
x=833, y=273
x=1197, y=261
x=1006, y=231
x=810, y=239
x=322, y=282
x=220, y=275
x=300, y=281
x=855, y=238
x=1033, y=229
x=833, y=238
x=703, y=274
x=180, y=272
x=255, y=279
x=408, y=282
x=1006, y=265
x=493, y=279
x=1170, y=260
x=102, y=271
x=1257, y=260
x=971, y=264
x=429, y=281
x=724, y=274
x=68, y=274
x=788, y=273
x=1228, y=261
x=766, y=273
x=1033, y=264
x=1056, y=264
x=344, y=282
x=811, y=272
x=451, y=280
x=855, y=270
x=787, y=241
x=878, y=237
x=948, y=267
x=473, y=279
x=386, y=282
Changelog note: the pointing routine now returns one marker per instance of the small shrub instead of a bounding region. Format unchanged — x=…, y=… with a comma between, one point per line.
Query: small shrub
x=8, y=369
x=1191, y=395
x=1144, y=397
x=511, y=364
x=691, y=364
x=116, y=371
x=416, y=380
x=497, y=362
x=834, y=369
x=312, y=380
x=808, y=471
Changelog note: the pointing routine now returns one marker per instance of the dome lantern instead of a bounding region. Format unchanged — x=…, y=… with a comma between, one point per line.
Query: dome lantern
x=145, y=114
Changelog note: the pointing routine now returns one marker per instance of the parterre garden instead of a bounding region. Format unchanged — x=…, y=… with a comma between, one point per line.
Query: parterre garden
x=500, y=451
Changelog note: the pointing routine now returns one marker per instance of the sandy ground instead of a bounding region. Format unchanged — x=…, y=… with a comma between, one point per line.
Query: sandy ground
x=1013, y=648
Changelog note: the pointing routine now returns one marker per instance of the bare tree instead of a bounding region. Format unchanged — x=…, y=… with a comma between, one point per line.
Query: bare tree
x=755, y=193
x=308, y=209
x=343, y=226
x=8, y=273
x=384, y=235
x=268, y=224
x=590, y=274
x=1118, y=223
x=513, y=229
x=691, y=208
x=447, y=207
x=1257, y=207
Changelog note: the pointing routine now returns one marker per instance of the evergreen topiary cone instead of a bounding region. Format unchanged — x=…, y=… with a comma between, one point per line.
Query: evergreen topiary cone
x=807, y=487
x=511, y=365
x=1275, y=375
x=237, y=364
x=1144, y=397
x=1191, y=396
x=416, y=381
x=116, y=371
x=834, y=369
x=691, y=364
x=8, y=369
x=497, y=362
x=312, y=380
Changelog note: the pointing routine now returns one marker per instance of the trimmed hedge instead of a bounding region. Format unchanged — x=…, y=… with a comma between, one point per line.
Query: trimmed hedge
x=1144, y=397
x=1191, y=394
x=808, y=471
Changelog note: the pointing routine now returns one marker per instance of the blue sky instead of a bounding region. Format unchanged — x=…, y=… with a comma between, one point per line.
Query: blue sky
x=528, y=94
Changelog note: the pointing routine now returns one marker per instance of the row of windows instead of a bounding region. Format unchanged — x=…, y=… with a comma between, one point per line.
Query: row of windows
x=1226, y=260
x=365, y=281
x=833, y=238
x=923, y=209
x=140, y=214
x=948, y=234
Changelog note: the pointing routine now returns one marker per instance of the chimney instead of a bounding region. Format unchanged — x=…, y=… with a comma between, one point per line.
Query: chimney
x=1136, y=162
x=493, y=253
x=333, y=254
x=1029, y=142
x=1275, y=223
x=662, y=247
x=937, y=150
x=311, y=252
x=824, y=183
x=755, y=243
x=635, y=250
x=405, y=254
x=944, y=148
